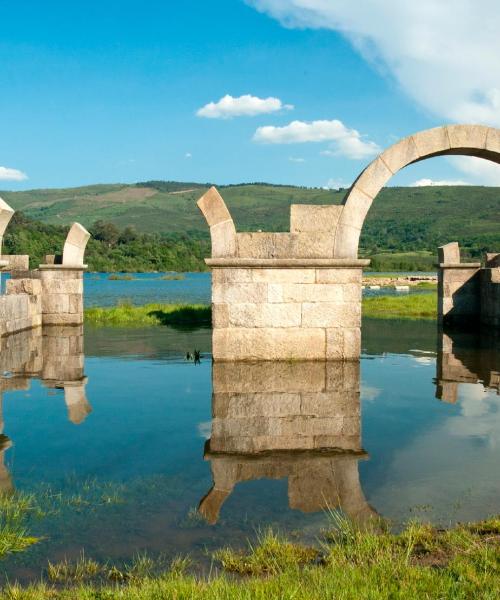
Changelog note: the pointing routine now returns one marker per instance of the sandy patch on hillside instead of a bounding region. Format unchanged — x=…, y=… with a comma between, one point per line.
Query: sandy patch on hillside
x=128, y=194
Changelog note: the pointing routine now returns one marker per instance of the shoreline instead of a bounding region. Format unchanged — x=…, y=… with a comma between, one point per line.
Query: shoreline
x=349, y=561
x=414, y=306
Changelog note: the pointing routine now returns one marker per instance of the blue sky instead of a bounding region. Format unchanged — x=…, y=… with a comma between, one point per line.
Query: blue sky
x=95, y=92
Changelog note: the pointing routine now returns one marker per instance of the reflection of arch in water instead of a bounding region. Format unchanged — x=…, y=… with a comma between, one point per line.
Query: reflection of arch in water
x=317, y=480
x=469, y=140
x=295, y=420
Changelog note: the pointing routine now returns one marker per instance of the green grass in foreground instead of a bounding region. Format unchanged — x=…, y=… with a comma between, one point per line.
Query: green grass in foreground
x=419, y=563
x=411, y=306
x=128, y=315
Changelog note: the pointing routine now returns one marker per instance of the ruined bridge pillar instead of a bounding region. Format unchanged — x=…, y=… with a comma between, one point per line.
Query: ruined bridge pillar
x=62, y=281
x=280, y=296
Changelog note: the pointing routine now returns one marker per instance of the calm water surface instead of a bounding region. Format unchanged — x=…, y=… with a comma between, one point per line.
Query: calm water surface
x=193, y=288
x=152, y=287
x=132, y=448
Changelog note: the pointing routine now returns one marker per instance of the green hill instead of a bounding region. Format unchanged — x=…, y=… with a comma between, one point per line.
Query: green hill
x=408, y=223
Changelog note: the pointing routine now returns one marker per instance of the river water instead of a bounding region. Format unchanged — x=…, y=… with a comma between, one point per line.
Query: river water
x=130, y=448
x=192, y=288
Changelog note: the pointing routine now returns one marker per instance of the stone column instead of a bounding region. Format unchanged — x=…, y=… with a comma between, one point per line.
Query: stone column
x=62, y=294
x=458, y=288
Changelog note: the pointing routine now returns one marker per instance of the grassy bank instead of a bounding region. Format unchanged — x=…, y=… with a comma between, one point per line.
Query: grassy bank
x=348, y=563
x=129, y=315
x=411, y=306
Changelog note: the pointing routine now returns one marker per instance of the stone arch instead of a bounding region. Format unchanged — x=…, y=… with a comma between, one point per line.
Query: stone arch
x=468, y=140
x=6, y=213
x=74, y=246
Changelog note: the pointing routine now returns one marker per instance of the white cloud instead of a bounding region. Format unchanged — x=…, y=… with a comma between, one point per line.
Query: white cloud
x=7, y=174
x=444, y=54
x=429, y=182
x=243, y=106
x=205, y=429
x=188, y=155
x=348, y=142
x=483, y=172
x=336, y=184
x=296, y=159
x=369, y=393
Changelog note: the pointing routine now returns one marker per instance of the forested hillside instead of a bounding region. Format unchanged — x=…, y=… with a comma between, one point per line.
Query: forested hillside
x=156, y=225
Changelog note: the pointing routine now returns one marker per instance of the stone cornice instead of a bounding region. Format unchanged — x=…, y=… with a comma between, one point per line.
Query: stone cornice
x=459, y=265
x=63, y=267
x=288, y=263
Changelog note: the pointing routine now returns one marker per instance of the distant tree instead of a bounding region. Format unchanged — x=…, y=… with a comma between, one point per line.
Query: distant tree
x=128, y=235
x=105, y=232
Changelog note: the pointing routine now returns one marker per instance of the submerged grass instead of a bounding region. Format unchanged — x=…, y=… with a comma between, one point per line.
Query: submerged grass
x=352, y=563
x=173, y=277
x=116, y=277
x=15, y=508
x=129, y=315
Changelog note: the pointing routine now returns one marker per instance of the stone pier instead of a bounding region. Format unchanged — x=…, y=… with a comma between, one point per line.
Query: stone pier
x=468, y=294
x=62, y=281
x=279, y=296
x=49, y=295
x=295, y=420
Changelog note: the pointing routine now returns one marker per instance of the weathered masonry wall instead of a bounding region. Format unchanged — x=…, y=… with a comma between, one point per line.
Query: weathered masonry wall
x=49, y=295
x=295, y=420
x=278, y=296
x=468, y=294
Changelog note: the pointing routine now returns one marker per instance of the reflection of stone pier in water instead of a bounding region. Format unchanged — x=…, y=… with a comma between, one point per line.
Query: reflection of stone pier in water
x=55, y=356
x=466, y=357
x=294, y=420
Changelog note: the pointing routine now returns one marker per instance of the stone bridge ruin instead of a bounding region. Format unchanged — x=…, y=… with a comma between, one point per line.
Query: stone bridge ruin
x=52, y=294
x=297, y=295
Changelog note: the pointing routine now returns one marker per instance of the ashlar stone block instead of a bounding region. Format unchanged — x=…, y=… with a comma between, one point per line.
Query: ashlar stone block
x=467, y=136
x=264, y=315
x=313, y=218
x=284, y=275
x=331, y=314
x=239, y=293
x=401, y=154
x=432, y=141
x=373, y=178
x=318, y=292
x=285, y=343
